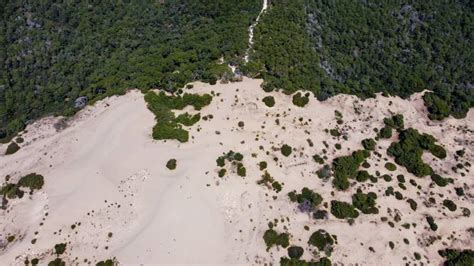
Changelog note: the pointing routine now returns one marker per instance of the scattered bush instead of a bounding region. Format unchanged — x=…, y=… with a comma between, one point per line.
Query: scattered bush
x=369, y=144
x=285, y=150
x=413, y=204
x=409, y=149
x=300, y=100
x=57, y=262
x=109, y=262
x=322, y=240
x=262, y=165
x=365, y=202
x=271, y=238
x=343, y=210
x=457, y=257
x=60, y=248
x=439, y=180
x=450, y=205
x=222, y=172
x=12, y=148
x=431, y=223
x=318, y=159
x=390, y=166
x=32, y=181
x=306, y=195
x=335, y=132
x=396, y=122
x=171, y=164
x=295, y=252
x=241, y=171
x=187, y=119
x=385, y=132
x=346, y=167
x=269, y=101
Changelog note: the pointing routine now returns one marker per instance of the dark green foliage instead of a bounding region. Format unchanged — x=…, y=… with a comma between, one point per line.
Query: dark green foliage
x=431, y=223
x=187, y=119
x=346, y=167
x=390, y=47
x=457, y=257
x=60, y=248
x=167, y=125
x=324, y=172
x=320, y=214
x=450, y=205
x=306, y=195
x=295, y=252
x=171, y=164
x=57, y=262
x=459, y=191
x=108, y=262
x=241, y=170
x=271, y=238
x=12, y=148
x=385, y=132
x=409, y=149
x=300, y=100
x=285, y=261
x=11, y=191
x=262, y=165
x=322, y=240
x=396, y=122
x=32, y=181
x=439, y=180
x=269, y=101
x=413, y=204
x=335, y=132
x=103, y=48
x=222, y=172
x=220, y=161
x=318, y=159
x=369, y=144
x=286, y=150
x=343, y=210
x=390, y=166
x=362, y=176
x=365, y=202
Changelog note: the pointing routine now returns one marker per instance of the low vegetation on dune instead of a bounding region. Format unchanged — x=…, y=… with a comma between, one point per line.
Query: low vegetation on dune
x=168, y=126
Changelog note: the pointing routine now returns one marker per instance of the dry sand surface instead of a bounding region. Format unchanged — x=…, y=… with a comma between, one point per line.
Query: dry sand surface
x=105, y=174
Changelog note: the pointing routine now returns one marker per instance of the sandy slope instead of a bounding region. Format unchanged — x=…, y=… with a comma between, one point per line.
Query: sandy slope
x=105, y=172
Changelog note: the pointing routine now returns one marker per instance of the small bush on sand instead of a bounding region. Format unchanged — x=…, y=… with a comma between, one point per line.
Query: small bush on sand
x=12, y=148
x=322, y=240
x=269, y=101
x=295, y=252
x=365, y=202
x=390, y=166
x=32, y=181
x=369, y=144
x=285, y=150
x=343, y=210
x=171, y=164
x=300, y=100
x=273, y=238
x=60, y=248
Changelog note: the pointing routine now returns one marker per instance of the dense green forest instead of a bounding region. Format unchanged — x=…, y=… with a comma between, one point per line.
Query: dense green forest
x=52, y=52
x=364, y=47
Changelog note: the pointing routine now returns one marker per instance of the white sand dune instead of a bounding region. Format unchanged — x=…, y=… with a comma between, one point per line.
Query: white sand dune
x=105, y=172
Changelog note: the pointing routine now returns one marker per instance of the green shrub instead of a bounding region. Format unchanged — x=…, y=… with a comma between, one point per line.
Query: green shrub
x=409, y=150
x=300, y=100
x=324, y=172
x=32, y=181
x=318, y=159
x=450, y=205
x=222, y=172
x=346, y=167
x=431, y=223
x=438, y=151
x=285, y=150
x=369, y=144
x=220, y=161
x=295, y=252
x=322, y=240
x=457, y=257
x=395, y=122
x=439, y=180
x=262, y=165
x=241, y=171
x=308, y=195
x=343, y=210
x=390, y=166
x=11, y=191
x=108, y=262
x=335, y=132
x=12, y=148
x=171, y=164
x=269, y=101
x=187, y=119
x=60, y=248
x=385, y=132
x=271, y=238
x=413, y=204
x=285, y=261
x=57, y=262
x=365, y=202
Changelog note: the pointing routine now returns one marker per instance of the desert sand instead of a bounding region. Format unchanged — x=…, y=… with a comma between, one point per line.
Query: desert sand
x=105, y=174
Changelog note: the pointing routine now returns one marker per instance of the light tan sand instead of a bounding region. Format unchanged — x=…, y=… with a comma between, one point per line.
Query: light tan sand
x=105, y=172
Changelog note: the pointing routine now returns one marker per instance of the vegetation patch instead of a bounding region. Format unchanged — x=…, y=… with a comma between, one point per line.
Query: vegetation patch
x=273, y=238
x=269, y=101
x=456, y=257
x=286, y=150
x=366, y=203
x=343, y=210
x=369, y=144
x=346, y=167
x=167, y=125
x=12, y=148
x=171, y=164
x=300, y=100
x=409, y=149
x=307, y=200
x=322, y=240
